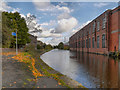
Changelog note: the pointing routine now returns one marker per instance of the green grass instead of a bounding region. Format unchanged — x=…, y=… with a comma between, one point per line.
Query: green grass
x=45, y=68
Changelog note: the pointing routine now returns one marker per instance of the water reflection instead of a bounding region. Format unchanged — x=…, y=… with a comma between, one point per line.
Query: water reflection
x=89, y=69
x=100, y=67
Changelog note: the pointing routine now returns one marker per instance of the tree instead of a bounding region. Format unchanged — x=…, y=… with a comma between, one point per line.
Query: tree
x=6, y=37
x=48, y=47
x=38, y=46
x=10, y=23
x=61, y=45
x=55, y=47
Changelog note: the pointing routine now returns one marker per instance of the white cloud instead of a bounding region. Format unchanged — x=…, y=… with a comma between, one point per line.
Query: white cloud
x=16, y=10
x=84, y=24
x=32, y=24
x=55, y=41
x=102, y=4
x=53, y=14
x=64, y=16
x=48, y=34
x=74, y=31
x=44, y=40
x=51, y=23
x=65, y=9
x=4, y=6
x=39, y=17
x=44, y=24
x=52, y=41
x=63, y=3
x=47, y=6
x=80, y=26
x=65, y=25
x=22, y=15
x=41, y=5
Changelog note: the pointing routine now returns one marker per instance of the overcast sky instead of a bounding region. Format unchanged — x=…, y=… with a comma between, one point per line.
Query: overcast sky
x=59, y=20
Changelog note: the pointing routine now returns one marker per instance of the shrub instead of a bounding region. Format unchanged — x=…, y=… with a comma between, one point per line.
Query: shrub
x=38, y=46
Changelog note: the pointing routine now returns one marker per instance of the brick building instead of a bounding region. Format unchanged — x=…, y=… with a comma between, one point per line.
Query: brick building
x=102, y=35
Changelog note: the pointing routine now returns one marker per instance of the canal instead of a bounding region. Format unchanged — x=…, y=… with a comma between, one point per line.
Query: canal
x=91, y=70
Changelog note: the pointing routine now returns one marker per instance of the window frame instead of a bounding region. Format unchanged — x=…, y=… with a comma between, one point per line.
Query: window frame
x=93, y=27
x=104, y=23
x=103, y=41
x=98, y=42
x=98, y=26
x=93, y=42
x=89, y=30
x=89, y=42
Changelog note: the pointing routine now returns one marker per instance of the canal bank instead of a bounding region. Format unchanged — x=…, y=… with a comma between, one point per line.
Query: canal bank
x=35, y=74
x=115, y=55
x=91, y=70
x=46, y=70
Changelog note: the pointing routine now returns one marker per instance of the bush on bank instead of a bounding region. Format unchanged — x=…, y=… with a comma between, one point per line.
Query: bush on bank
x=115, y=55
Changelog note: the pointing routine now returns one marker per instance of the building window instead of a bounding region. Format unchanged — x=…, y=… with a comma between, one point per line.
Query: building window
x=98, y=26
x=82, y=34
x=89, y=30
x=93, y=27
x=93, y=39
x=89, y=43
x=86, y=32
x=104, y=23
x=97, y=41
x=84, y=44
x=79, y=44
x=103, y=41
x=76, y=44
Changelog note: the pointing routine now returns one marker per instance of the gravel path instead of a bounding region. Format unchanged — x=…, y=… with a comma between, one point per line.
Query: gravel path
x=17, y=75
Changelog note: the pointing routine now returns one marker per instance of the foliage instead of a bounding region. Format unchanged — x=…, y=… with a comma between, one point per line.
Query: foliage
x=48, y=47
x=10, y=23
x=44, y=45
x=38, y=46
x=6, y=38
x=55, y=47
x=30, y=62
x=66, y=47
x=47, y=71
x=61, y=45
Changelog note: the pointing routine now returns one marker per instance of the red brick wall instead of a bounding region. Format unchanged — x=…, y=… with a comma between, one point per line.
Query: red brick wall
x=114, y=41
x=110, y=34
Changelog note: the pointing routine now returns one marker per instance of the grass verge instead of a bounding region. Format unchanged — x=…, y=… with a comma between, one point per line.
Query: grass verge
x=48, y=71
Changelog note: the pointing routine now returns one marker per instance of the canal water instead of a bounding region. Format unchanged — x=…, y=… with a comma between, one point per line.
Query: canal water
x=91, y=70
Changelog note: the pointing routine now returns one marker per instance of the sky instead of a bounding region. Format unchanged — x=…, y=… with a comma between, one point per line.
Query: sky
x=59, y=20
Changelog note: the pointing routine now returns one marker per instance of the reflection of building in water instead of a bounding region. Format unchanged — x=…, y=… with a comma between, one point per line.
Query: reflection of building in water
x=105, y=70
x=102, y=35
x=119, y=74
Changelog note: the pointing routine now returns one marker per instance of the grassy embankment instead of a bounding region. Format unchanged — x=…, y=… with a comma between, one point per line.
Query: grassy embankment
x=31, y=58
x=46, y=70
